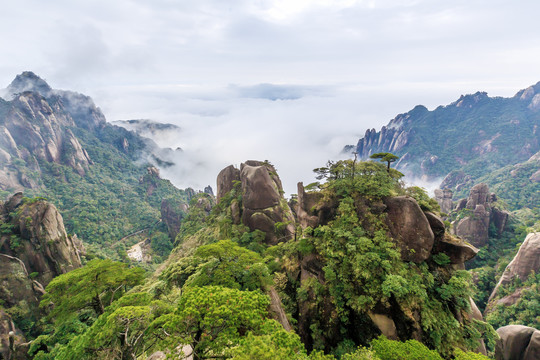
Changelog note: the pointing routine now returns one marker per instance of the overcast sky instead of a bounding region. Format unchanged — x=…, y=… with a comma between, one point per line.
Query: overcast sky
x=290, y=81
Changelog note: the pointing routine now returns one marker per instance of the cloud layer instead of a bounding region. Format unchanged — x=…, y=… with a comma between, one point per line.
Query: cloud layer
x=291, y=81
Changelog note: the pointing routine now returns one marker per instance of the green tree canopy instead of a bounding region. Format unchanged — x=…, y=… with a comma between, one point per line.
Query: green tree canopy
x=385, y=157
x=93, y=286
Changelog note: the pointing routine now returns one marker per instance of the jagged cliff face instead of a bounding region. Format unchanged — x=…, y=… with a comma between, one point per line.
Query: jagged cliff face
x=35, y=125
x=476, y=133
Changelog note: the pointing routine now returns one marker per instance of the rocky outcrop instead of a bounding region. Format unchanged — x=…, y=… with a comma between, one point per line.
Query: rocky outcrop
x=517, y=342
x=172, y=213
x=263, y=206
x=312, y=210
x=226, y=180
x=34, y=248
x=444, y=199
x=525, y=263
x=475, y=227
x=13, y=345
x=410, y=228
x=40, y=240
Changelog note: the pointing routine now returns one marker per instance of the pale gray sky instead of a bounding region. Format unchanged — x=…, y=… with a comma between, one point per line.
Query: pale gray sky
x=291, y=81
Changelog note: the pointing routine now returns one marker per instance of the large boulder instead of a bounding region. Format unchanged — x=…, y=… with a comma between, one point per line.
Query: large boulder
x=525, y=263
x=409, y=228
x=41, y=241
x=34, y=248
x=226, y=180
x=517, y=342
x=263, y=206
x=258, y=189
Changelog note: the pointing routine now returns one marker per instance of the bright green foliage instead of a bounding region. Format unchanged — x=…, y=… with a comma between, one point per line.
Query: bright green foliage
x=526, y=311
x=274, y=343
x=368, y=179
x=385, y=157
x=409, y=350
x=120, y=333
x=361, y=354
x=93, y=286
x=212, y=319
x=469, y=355
x=356, y=262
x=224, y=263
x=422, y=198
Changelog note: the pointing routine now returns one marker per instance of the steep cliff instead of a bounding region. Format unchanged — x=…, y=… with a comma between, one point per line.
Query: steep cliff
x=34, y=248
x=517, y=288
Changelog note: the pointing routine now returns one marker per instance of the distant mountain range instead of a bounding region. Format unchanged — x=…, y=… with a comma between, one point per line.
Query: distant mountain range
x=470, y=140
x=476, y=133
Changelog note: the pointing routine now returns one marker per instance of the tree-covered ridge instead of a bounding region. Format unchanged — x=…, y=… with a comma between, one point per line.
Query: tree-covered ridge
x=58, y=145
x=221, y=292
x=477, y=134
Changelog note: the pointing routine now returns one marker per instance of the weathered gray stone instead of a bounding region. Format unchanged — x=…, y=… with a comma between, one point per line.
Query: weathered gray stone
x=409, y=228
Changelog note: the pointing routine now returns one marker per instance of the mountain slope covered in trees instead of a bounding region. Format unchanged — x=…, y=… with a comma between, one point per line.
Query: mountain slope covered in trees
x=57, y=144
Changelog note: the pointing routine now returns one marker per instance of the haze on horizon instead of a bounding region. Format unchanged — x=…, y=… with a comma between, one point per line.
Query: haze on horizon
x=290, y=81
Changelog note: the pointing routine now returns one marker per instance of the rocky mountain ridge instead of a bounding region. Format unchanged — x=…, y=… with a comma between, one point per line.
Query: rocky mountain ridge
x=475, y=129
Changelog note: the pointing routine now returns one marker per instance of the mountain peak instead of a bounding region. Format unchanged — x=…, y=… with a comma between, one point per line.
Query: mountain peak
x=28, y=81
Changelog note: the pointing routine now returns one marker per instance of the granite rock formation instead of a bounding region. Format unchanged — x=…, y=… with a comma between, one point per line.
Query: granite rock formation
x=444, y=199
x=475, y=226
x=517, y=342
x=525, y=263
x=263, y=206
x=409, y=228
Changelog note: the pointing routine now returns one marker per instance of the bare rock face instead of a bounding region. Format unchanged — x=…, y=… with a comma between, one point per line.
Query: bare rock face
x=226, y=179
x=172, y=213
x=39, y=239
x=475, y=228
x=444, y=199
x=258, y=188
x=517, y=342
x=311, y=210
x=410, y=228
x=264, y=208
x=526, y=261
x=12, y=342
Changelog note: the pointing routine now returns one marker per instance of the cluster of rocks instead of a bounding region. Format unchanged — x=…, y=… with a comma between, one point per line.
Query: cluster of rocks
x=480, y=214
x=34, y=248
x=418, y=234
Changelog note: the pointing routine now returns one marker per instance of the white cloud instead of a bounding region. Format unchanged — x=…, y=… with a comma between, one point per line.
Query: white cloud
x=210, y=66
